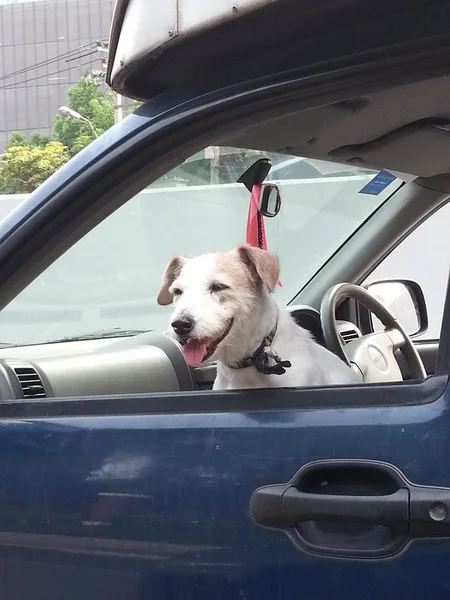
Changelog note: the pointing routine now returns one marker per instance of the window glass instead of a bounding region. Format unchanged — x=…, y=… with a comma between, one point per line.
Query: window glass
x=109, y=279
x=424, y=257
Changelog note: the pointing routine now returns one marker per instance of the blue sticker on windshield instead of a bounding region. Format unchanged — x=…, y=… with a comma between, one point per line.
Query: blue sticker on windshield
x=378, y=183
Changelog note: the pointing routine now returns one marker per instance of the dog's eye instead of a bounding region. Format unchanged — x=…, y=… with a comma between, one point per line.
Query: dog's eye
x=176, y=292
x=218, y=287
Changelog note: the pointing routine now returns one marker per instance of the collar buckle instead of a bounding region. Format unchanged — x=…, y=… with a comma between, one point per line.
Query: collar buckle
x=260, y=358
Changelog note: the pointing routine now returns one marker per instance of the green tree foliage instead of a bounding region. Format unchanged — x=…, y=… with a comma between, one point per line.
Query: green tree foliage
x=25, y=167
x=40, y=139
x=27, y=163
x=96, y=105
x=36, y=139
x=17, y=139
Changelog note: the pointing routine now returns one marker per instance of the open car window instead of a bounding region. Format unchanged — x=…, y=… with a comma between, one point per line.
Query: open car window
x=110, y=278
x=423, y=257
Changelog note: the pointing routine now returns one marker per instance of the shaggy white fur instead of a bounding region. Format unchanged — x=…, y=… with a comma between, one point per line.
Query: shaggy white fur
x=224, y=308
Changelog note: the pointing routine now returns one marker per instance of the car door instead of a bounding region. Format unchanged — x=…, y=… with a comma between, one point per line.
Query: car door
x=156, y=499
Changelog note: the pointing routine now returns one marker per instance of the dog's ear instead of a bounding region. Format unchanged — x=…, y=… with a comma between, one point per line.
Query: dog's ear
x=170, y=274
x=264, y=266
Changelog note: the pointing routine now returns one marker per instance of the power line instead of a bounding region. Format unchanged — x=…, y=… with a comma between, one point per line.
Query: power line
x=80, y=56
x=64, y=55
x=19, y=83
x=43, y=85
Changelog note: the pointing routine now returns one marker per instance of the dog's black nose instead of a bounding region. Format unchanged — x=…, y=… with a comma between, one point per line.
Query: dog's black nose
x=183, y=325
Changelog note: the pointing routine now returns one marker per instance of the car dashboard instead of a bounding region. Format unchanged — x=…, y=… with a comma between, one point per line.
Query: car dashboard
x=144, y=363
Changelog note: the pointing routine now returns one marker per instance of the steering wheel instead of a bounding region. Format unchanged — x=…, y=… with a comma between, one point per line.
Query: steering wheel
x=371, y=355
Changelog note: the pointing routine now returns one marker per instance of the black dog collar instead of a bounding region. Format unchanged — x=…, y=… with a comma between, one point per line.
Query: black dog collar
x=260, y=358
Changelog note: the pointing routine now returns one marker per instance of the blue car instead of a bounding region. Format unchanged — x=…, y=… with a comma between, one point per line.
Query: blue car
x=123, y=476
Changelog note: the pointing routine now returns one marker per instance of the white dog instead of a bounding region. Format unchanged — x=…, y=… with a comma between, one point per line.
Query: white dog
x=225, y=310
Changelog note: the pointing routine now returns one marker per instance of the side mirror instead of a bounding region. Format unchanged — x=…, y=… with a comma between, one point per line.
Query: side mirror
x=405, y=300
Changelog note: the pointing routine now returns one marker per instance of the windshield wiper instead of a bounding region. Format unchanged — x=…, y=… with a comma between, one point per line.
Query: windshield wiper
x=98, y=335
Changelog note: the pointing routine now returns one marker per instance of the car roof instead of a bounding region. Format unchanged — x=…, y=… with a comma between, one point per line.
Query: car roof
x=134, y=35
x=402, y=128
x=156, y=46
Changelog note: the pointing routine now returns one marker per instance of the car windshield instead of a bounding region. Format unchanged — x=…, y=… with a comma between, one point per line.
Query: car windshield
x=107, y=283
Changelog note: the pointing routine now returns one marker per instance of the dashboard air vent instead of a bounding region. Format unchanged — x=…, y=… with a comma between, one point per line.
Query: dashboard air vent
x=30, y=382
x=349, y=335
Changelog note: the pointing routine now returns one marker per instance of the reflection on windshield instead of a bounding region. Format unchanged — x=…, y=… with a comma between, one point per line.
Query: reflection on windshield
x=109, y=279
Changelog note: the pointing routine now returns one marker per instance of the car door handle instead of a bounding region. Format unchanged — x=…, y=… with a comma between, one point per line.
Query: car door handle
x=353, y=508
x=281, y=507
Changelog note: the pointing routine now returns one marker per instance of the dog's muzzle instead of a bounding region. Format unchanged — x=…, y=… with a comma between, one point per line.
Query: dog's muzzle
x=197, y=350
x=214, y=345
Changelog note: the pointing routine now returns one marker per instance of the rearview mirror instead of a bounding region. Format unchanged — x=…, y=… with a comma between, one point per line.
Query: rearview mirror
x=406, y=302
x=269, y=200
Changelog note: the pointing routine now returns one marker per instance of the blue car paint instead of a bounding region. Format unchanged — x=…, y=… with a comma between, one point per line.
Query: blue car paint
x=159, y=504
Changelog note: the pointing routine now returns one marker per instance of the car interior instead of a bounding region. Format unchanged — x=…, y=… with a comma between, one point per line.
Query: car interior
x=405, y=130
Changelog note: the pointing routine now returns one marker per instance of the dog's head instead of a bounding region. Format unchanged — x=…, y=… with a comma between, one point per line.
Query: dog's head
x=214, y=294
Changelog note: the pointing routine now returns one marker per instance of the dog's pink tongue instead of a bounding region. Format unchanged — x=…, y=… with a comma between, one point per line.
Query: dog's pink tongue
x=194, y=351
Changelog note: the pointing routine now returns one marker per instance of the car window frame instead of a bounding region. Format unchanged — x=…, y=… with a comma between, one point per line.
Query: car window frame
x=361, y=315
x=116, y=166
x=443, y=357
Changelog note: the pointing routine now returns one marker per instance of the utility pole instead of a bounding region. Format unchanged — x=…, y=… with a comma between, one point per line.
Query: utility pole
x=215, y=165
x=102, y=47
x=118, y=108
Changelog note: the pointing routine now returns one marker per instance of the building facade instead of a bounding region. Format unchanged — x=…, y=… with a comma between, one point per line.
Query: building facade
x=45, y=46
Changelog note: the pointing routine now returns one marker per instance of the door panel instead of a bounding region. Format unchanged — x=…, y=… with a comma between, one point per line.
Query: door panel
x=156, y=506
